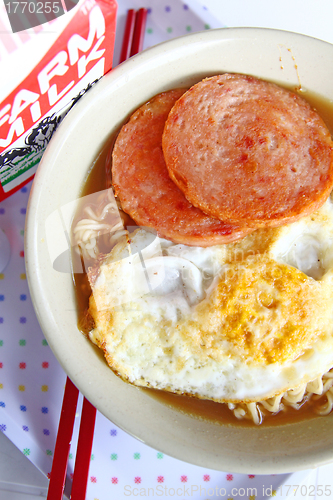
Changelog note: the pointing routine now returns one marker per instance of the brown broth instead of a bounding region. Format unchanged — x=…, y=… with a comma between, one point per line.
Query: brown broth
x=97, y=180
x=220, y=413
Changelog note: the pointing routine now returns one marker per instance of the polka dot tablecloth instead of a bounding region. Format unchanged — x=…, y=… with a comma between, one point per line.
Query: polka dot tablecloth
x=166, y=19
x=32, y=382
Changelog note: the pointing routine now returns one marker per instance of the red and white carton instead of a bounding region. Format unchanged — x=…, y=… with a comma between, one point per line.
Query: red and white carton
x=80, y=53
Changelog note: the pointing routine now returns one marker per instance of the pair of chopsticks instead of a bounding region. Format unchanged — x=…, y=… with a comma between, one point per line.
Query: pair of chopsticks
x=63, y=442
x=132, y=44
x=134, y=33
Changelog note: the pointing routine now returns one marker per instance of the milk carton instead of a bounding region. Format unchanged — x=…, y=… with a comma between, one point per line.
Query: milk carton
x=44, y=71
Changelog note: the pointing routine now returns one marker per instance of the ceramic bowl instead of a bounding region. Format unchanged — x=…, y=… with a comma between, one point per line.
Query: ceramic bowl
x=279, y=56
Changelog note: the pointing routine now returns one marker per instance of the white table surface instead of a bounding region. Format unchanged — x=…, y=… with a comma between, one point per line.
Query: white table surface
x=19, y=479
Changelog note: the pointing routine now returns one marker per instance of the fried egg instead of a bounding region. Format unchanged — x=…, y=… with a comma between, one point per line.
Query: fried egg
x=240, y=322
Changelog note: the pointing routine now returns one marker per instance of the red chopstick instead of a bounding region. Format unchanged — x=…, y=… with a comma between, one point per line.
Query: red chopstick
x=132, y=44
x=64, y=437
x=139, y=31
x=83, y=451
x=128, y=36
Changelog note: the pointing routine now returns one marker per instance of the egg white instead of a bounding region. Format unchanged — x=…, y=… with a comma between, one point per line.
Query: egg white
x=155, y=304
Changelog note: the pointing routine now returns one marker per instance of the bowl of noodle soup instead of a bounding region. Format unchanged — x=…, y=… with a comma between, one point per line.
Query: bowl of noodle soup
x=72, y=194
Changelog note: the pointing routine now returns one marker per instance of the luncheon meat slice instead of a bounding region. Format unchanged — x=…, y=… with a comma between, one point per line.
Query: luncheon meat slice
x=145, y=190
x=248, y=151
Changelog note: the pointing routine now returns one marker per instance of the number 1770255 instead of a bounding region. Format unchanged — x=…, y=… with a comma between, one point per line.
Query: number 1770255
x=32, y=7
x=305, y=490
